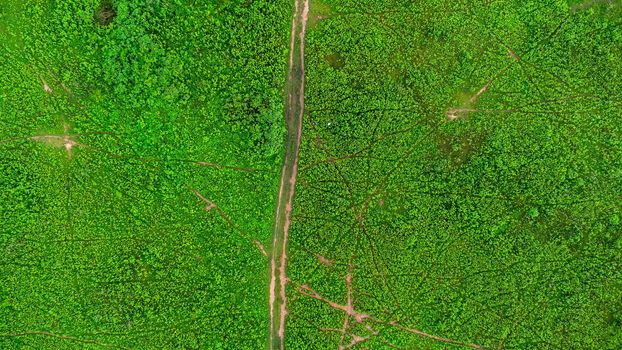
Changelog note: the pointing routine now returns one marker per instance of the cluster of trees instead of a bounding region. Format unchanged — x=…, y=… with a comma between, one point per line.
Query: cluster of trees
x=463, y=158
x=106, y=243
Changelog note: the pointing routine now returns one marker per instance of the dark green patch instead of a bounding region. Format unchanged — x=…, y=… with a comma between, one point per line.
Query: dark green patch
x=458, y=148
x=335, y=60
x=105, y=13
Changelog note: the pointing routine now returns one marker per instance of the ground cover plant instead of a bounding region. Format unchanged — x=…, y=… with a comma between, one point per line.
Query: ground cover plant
x=310, y=174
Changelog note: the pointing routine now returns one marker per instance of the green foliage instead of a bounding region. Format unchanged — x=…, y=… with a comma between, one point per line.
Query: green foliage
x=107, y=245
x=460, y=159
x=497, y=226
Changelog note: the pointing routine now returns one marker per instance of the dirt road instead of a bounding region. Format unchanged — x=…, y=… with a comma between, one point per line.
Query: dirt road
x=294, y=110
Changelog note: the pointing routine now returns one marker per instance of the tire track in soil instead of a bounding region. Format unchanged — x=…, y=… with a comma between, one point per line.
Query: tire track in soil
x=294, y=111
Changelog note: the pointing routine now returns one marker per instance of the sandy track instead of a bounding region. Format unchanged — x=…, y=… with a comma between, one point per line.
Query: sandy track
x=294, y=111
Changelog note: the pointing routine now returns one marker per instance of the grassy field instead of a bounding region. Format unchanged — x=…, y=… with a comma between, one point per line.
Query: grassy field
x=459, y=181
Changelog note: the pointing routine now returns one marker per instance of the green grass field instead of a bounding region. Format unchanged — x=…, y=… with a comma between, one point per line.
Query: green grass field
x=459, y=179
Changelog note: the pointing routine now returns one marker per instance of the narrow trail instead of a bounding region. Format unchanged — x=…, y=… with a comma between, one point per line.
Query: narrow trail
x=294, y=110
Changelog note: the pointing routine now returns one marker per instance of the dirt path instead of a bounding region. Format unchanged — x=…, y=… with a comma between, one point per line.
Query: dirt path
x=294, y=110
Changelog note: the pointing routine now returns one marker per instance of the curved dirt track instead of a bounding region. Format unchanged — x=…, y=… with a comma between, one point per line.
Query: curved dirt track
x=294, y=110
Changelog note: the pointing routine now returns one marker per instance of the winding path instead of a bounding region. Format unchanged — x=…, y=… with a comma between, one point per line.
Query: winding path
x=294, y=110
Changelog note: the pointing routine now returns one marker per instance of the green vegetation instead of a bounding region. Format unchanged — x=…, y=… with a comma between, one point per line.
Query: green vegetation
x=460, y=174
x=488, y=218
x=106, y=243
